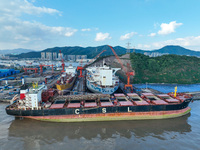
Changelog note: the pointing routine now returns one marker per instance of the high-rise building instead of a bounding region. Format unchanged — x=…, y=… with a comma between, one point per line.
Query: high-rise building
x=49, y=55
x=83, y=56
x=43, y=55
x=54, y=55
x=60, y=55
x=71, y=58
x=78, y=57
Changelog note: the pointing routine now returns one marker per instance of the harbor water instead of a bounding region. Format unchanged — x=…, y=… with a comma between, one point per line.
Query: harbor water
x=178, y=133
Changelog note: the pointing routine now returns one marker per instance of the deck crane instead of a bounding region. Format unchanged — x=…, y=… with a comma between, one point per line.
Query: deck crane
x=41, y=69
x=129, y=72
x=63, y=64
x=81, y=68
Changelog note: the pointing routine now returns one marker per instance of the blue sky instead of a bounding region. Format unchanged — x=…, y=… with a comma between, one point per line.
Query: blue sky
x=146, y=24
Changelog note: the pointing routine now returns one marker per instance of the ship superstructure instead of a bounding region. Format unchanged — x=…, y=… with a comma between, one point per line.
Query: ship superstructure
x=102, y=79
x=31, y=98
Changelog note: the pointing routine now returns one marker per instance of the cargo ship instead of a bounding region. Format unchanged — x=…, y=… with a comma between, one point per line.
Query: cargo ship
x=97, y=107
x=67, y=80
x=102, y=79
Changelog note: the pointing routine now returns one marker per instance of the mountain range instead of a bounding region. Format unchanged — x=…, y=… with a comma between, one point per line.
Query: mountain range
x=91, y=52
x=15, y=51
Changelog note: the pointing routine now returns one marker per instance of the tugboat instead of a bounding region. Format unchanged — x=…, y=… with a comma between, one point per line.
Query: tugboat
x=98, y=107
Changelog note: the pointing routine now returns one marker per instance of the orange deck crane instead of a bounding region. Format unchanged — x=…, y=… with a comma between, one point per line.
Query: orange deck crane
x=129, y=72
x=63, y=64
x=41, y=69
x=35, y=69
x=81, y=68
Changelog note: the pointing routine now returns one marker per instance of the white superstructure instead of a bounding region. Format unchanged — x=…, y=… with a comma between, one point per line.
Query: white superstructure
x=33, y=96
x=70, y=70
x=102, y=79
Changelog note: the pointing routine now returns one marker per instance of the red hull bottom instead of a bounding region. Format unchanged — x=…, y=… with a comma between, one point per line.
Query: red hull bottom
x=113, y=116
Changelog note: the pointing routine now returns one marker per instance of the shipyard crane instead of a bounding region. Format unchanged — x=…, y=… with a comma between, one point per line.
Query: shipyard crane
x=35, y=69
x=63, y=64
x=81, y=68
x=41, y=68
x=129, y=72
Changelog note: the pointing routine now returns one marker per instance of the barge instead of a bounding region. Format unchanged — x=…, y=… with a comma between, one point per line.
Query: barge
x=98, y=107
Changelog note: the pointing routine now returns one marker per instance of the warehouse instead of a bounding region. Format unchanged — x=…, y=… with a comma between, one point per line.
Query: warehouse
x=8, y=72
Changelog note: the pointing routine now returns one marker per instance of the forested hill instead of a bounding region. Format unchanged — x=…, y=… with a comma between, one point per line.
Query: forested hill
x=165, y=69
x=91, y=52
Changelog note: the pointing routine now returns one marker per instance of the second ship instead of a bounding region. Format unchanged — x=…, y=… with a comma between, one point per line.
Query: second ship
x=102, y=79
x=67, y=80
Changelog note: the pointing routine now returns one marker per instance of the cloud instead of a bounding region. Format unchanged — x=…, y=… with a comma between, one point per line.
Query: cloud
x=15, y=28
x=190, y=42
x=19, y=7
x=15, y=32
x=168, y=28
x=127, y=36
x=144, y=46
x=88, y=29
x=186, y=42
x=152, y=34
x=102, y=36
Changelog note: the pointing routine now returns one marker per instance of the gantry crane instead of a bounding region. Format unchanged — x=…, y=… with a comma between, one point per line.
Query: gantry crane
x=81, y=68
x=35, y=69
x=41, y=69
x=63, y=64
x=129, y=72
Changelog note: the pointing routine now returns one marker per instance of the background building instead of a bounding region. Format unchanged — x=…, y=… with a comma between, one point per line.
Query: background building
x=60, y=55
x=71, y=57
x=54, y=56
x=43, y=55
x=49, y=55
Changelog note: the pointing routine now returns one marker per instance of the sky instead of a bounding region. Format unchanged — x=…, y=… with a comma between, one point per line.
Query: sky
x=145, y=24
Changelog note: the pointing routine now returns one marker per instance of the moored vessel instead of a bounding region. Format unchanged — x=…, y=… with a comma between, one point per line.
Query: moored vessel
x=67, y=80
x=102, y=79
x=98, y=107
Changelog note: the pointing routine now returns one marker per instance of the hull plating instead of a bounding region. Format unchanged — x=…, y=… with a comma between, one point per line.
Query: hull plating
x=105, y=113
x=113, y=116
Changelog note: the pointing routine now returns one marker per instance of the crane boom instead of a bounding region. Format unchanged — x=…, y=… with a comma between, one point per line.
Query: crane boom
x=63, y=64
x=129, y=72
x=81, y=68
x=118, y=58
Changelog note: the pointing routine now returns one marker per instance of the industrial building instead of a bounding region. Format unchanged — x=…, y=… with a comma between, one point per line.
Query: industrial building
x=8, y=72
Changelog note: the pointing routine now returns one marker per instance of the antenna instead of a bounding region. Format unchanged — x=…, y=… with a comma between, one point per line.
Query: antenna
x=128, y=47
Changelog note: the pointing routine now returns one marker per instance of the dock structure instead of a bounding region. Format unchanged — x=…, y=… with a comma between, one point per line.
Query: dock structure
x=195, y=95
x=79, y=86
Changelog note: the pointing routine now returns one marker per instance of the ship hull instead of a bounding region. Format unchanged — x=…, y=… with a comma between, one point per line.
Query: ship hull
x=113, y=116
x=67, y=86
x=98, y=89
x=105, y=113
